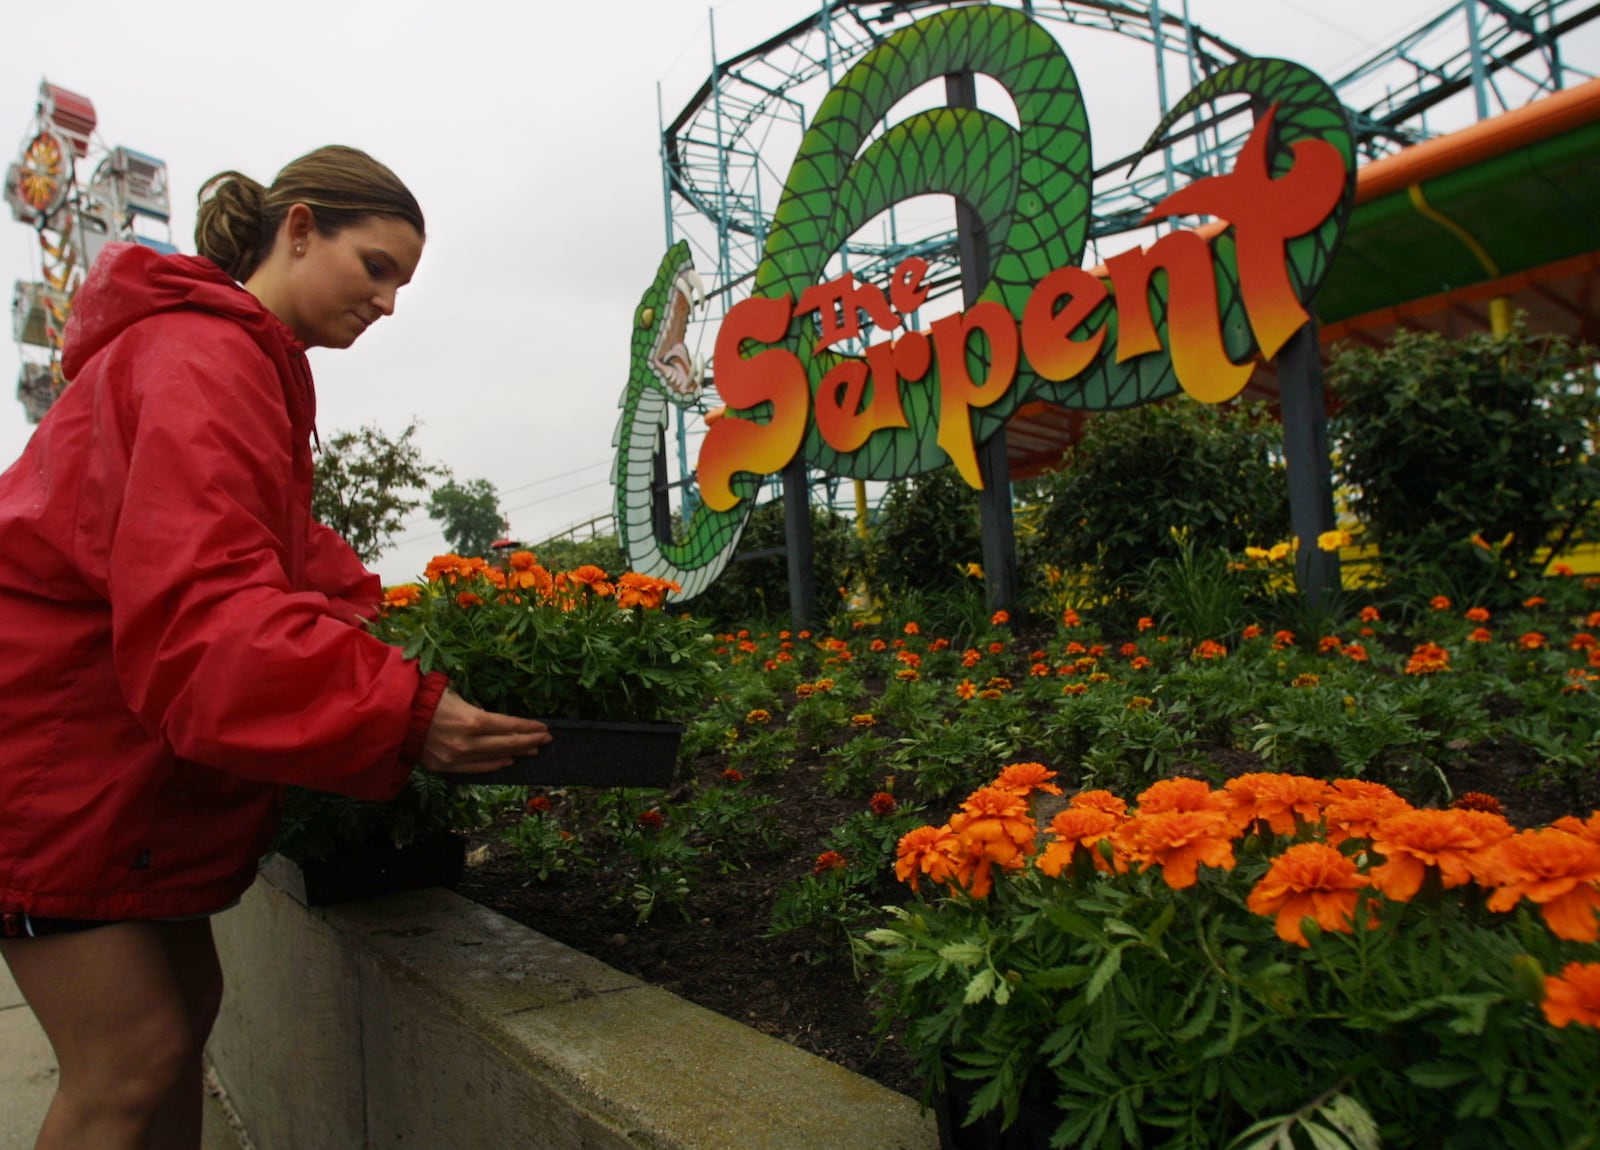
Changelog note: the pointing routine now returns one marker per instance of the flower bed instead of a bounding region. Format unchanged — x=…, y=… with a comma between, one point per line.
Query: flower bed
x=743, y=886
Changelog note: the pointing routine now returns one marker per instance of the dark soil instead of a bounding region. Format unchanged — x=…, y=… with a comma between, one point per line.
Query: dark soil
x=717, y=953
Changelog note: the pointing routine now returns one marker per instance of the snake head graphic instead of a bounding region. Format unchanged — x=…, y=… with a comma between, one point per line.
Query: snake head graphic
x=661, y=325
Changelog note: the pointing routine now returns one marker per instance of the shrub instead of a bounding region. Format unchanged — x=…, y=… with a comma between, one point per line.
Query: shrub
x=755, y=585
x=1467, y=457
x=1141, y=479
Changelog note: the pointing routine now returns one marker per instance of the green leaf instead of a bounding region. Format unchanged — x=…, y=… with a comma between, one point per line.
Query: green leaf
x=1104, y=973
x=979, y=986
x=1351, y=1119
x=1321, y=1137
x=967, y=954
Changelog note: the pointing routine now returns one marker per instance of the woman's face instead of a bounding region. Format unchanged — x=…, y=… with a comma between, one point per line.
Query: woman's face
x=340, y=284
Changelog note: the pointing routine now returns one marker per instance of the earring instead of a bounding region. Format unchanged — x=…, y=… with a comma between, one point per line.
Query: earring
x=299, y=251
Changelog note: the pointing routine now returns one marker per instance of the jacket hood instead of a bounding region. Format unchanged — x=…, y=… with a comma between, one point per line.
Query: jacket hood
x=130, y=282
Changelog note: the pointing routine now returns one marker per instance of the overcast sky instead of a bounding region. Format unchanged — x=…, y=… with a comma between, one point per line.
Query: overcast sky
x=528, y=131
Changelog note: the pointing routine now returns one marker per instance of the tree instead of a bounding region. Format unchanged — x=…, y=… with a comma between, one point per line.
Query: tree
x=366, y=484
x=470, y=513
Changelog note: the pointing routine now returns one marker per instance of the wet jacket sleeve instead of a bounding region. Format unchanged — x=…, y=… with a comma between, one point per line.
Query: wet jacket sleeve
x=216, y=648
x=335, y=570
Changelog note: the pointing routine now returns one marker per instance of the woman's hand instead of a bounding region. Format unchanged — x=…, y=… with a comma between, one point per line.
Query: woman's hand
x=467, y=740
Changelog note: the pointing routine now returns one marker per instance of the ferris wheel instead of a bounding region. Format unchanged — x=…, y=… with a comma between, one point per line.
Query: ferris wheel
x=123, y=199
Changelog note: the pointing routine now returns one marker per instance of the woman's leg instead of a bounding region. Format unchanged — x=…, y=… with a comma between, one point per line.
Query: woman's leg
x=127, y=1008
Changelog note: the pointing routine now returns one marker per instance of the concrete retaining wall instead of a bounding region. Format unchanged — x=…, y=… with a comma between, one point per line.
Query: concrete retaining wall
x=425, y=1020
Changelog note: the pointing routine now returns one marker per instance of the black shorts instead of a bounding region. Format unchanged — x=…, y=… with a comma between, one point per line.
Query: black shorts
x=28, y=926
x=21, y=925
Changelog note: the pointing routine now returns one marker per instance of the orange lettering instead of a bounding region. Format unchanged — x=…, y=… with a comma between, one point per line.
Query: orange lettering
x=765, y=442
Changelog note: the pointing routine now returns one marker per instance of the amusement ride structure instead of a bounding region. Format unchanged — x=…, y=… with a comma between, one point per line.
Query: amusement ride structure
x=78, y=195
x=1451, y=229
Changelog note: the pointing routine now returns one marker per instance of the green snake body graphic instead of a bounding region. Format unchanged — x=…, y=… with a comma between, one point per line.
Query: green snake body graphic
x=1030, y=186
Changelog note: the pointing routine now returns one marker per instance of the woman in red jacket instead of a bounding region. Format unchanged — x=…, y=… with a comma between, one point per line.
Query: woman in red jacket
x=178, y=638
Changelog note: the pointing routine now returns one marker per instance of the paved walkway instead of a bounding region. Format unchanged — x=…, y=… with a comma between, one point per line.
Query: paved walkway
x=28, y=1078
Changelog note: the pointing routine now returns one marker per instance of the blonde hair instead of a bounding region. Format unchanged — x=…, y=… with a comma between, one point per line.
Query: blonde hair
x=238, y=218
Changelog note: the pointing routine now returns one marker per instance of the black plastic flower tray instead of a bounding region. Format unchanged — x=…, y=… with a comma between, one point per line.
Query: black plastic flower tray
x=595, y=753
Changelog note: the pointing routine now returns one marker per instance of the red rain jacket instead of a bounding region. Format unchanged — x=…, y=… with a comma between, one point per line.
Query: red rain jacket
x=178, y=639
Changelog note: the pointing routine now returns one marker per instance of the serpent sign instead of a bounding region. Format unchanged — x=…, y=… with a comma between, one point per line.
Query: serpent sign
x=1193, y=311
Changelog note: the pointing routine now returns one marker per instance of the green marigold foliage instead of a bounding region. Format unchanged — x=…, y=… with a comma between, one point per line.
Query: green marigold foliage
x=1213, y=474
x=1440, y=440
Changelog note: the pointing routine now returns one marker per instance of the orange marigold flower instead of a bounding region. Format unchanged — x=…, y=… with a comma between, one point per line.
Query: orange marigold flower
x=996, y=648
x=405, y=595
x=1530, y=640
x=1282, y=639
x=1533, y=601
x=1355, y=807
x=1355, y=652
x=759, y=715
x=827, y=861
x=1074, y=688
x=1582, y=641
x=1179, y=795
x=1446, y=842
x=1427, y=659
x=926, y=851
x=1588, y=828
x=999, y=683
x=909, y=658
x=1557, y=870
x=1252, y=631
x=1077, y=829
x=912, y=628
x=1000, y=618
x=538, y=805
x=1329, y=643
x=1069, y=618
x=1177, y=841
x=1140, y=703
x=1306, y=679
x=1592, y=620
x=1369, y=614
x=1573, y=995
x=877, y=645
x=1309, y=880
x=1039, y=670
x=733, y=775
x=1128, y=650
x=636, y=590
x=966, y=689
x=1476, y=615
x=1440, y=602
x=991, y=694
x=1099, y=801
x=1025, y=778
x=592, y=577
x=907, y=675
x=1139, y=662
x=1480, y=635
x=1145, y=623
x=468, y=599
x=1478, y=801
x=1075, y=648
x=1210, y=649
x=1279, y=800
x=939, y=644
x=882, y=804
x=995, y=825
x=1562, y=569
x=864, y=720
x=651, y=820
